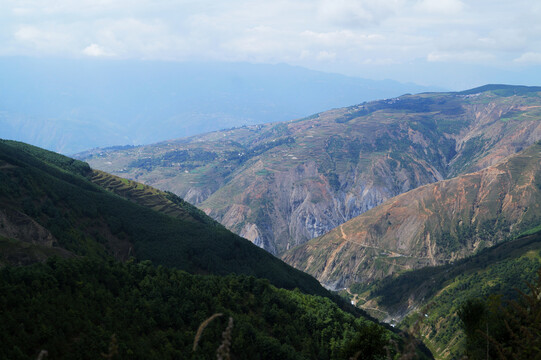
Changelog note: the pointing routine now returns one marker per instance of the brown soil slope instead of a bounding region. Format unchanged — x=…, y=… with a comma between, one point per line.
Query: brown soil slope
x=433, y=224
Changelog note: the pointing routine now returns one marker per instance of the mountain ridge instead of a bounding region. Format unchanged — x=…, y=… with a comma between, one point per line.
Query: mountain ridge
x=281, y=184
x=90, y=262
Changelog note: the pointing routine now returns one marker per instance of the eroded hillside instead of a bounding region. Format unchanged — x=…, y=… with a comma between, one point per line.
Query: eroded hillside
x=281, y=184
x=434, y=224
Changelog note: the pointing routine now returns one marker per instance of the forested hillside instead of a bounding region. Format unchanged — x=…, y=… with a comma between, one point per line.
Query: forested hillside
x=88, y=309
x=64, y=295
x=51, y=206
x=431, y=299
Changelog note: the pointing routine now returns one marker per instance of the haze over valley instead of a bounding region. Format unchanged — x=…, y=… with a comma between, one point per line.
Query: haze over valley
x=68, y=105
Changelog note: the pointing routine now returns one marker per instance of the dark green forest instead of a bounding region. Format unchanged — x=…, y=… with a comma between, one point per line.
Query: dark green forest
x=504, y=329
x=73, y=307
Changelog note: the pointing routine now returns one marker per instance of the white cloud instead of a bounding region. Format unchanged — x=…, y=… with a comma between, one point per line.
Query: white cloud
x=326, y=56
x=48, y=40
x=464, y=57
x=341, y=38
x=529, y=58
x=354, y=14
x=323, y=34
x=21, y=11
x=96, y=50
x=446, y=7
x=131, y=37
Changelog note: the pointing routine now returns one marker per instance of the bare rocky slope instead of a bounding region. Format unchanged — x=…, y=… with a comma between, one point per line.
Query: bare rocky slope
x=431, y=225
x=282, y=184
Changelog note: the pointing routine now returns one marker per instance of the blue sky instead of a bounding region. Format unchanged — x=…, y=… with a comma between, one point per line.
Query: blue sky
x=453, y=44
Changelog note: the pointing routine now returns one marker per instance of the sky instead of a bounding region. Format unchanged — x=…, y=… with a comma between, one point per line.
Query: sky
x=454, y=44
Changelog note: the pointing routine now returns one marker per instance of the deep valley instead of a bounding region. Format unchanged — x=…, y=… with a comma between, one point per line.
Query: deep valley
x=419, y=211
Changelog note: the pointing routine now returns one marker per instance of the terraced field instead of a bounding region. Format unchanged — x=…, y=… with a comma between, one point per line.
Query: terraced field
x=142, y=194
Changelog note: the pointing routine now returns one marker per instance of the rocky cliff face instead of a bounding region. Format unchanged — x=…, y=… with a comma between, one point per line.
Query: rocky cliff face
x=433, y=224
x=281, y=184
x=287, y=207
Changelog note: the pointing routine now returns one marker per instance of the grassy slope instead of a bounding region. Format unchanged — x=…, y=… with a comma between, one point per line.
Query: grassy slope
x=85, y=219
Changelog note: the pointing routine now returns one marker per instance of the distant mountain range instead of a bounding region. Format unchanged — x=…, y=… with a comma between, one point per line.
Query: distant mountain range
x=73, y=105
x=282, y=184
